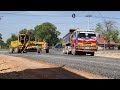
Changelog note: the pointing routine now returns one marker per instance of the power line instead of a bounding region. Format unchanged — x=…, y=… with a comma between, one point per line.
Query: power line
x=14, y=12
x=53, y=23
x=101, y=16
x=18, y=13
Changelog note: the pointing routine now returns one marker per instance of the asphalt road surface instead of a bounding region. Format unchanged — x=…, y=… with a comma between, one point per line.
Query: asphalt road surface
x=109, y=67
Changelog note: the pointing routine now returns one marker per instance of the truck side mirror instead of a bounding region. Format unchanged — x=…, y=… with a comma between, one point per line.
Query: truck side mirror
x=76, y=40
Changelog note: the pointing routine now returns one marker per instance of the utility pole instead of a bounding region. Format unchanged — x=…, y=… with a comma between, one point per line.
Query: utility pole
x=104, y=44
x=73, y=16
x=88, y=20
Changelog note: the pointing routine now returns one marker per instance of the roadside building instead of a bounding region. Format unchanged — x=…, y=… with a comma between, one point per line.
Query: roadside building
x=101, y=42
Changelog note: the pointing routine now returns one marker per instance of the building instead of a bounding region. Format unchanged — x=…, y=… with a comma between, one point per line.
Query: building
x=101, y=42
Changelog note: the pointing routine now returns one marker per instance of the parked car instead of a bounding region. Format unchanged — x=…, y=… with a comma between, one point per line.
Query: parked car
x=58, y=46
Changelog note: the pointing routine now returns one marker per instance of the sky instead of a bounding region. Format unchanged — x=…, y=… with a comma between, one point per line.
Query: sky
x=14, y=21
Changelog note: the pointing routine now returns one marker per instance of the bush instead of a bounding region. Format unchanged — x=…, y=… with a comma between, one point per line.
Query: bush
x=118, y=47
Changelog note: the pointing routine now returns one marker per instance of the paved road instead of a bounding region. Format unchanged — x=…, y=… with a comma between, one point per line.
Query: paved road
x=109, y=67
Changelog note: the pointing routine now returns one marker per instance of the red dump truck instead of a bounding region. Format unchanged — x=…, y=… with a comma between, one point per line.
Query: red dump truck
x=80, y=41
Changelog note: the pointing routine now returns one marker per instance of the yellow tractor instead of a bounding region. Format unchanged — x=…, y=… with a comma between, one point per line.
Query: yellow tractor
x=23, y=44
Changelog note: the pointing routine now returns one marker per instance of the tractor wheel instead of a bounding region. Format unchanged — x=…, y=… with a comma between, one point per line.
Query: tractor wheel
x=16, y=50
x=11, y=50
x=25, y=51
x=47, y=50
x=38, y=50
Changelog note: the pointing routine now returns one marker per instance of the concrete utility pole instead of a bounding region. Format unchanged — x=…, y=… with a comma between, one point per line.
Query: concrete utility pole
x=88, y=20
x=104, y=44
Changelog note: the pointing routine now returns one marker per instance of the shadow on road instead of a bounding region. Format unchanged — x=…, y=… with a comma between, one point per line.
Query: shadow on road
x=45, y=73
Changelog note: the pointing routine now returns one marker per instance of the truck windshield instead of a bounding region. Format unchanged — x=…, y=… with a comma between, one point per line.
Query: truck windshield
x=86, y=35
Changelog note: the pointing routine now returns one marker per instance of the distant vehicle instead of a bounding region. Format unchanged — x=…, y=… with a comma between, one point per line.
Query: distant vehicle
x=23, y=44
x=80, y=41
x=58, y=46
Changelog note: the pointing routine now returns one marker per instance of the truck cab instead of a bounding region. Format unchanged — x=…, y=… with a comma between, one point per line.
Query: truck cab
x=81, y=41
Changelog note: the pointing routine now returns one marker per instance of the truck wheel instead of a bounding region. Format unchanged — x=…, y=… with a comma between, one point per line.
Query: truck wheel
x=64, y=52
x=68, y=52
x=92, y=53
x=47, y=50
x=11, y=50
x=16, y=50
x=73, y=52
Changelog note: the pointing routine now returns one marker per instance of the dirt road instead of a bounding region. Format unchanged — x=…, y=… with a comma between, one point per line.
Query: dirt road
x=22, y=68
x=108, y=54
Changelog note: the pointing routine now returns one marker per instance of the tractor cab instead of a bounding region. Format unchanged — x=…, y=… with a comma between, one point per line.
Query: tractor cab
x=23, y=38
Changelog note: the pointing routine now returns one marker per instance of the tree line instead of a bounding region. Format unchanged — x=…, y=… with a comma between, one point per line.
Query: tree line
x=109, y=31
x=2, y=44
x=48, y=32
x=45, y=31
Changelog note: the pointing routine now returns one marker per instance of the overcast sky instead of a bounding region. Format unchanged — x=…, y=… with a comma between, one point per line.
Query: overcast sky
x=13, y=21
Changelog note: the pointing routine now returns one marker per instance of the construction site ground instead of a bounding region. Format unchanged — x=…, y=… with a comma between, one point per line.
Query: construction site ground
x=22, y=68
x=104, y=65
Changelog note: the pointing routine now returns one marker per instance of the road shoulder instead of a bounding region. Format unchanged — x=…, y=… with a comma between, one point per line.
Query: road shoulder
x=23, y=68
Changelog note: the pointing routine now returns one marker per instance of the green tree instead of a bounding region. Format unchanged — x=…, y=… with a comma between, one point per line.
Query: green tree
x=12, y=38
x=48, y=32
x=0, y=36
x=61, y=40
x=2, y=44
x=108, y=30
x=23, y=31
x=31, y=32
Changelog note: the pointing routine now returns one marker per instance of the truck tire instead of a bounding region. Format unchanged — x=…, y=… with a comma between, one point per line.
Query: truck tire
x=67, y=52
x=47, y=50
x=73, y=52
x=63, y=51
x=92, y=53
x=11, y=50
